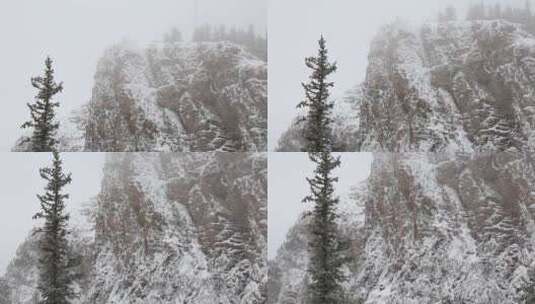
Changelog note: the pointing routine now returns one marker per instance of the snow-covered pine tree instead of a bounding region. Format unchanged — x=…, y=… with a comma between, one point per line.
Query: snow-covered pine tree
x=42, y=111
x=326, y=258
x=317, y=130
x=55, y=265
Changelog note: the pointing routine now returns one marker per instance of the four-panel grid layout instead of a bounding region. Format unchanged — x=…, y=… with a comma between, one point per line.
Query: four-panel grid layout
x=267, y=152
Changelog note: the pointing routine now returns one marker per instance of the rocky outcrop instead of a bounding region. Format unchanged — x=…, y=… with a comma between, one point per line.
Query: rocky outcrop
x=453, y=86
x=202, y=96
x=197, y=240
x=167, y=228
x=436, y=228
x=178, y=97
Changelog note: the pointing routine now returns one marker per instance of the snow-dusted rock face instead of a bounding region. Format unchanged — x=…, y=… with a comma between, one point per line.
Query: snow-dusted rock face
x=170, y=228
x=455, y=86
x=203, y=96
x=178, y=97
x=436, y=229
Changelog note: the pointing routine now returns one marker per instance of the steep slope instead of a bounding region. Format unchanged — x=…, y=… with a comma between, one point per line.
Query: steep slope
x=461, y=86
x=436, y=229
x=179, y=97
x=169, y=228
x=203, y=96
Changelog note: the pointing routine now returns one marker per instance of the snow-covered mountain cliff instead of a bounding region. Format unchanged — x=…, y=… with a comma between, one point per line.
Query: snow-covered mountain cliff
x=461, y=86
x=202, y=96
x=167, y=228
x=429, y=228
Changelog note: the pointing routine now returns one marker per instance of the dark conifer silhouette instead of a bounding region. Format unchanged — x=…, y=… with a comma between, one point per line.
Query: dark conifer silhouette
x=325, y=268
x=42, y=111
x=55, y=276
x=317, y=128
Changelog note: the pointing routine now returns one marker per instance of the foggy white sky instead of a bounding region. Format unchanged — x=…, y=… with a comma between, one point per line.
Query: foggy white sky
x=76, y=33
x=20, y=182
x=348, y=25
x=287, y=187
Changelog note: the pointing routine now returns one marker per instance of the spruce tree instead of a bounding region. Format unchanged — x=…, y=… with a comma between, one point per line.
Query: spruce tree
x=325, y=268
x=317, y=129
x=42, y=111
x=55, y=277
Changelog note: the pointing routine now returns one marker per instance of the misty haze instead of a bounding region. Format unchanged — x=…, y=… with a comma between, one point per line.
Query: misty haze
x=401, y=139
x=136, y=75
x=410, y=76
x=441, y=93
x=142, y=228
